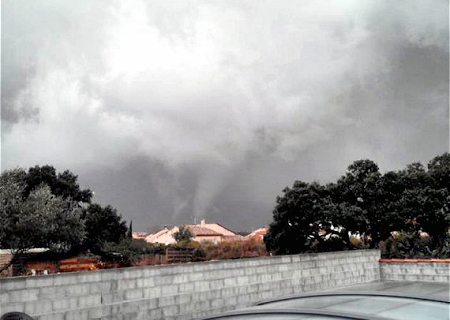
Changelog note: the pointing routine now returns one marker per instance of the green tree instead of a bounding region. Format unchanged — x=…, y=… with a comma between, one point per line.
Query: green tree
x=183, y=234
x=301, y=219
x=359, y=191
x=39, y=219
x=130, y=230
x=103, y=224
x=366, y=203
x=63, y=184
x=424, y=201
x=439, y=169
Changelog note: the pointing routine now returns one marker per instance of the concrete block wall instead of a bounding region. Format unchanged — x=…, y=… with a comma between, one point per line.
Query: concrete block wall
x=415, y=271
x=183, y=291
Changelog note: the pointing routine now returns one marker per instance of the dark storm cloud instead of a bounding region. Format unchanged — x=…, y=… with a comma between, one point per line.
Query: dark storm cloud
x=173, y=111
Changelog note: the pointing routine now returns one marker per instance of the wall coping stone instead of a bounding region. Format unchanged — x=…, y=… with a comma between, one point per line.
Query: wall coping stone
x=414, y=260
x=177, y=268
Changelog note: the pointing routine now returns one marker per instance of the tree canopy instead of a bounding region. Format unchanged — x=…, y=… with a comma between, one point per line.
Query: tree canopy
x=40, y=208
x=104, y=224
x=366, y=204
x=63, y=184
x=183, y=234
x=39, y=219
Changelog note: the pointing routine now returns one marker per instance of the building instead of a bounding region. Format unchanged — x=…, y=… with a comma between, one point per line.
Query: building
x=258, y=234
x=139, y=235
x=212, y=232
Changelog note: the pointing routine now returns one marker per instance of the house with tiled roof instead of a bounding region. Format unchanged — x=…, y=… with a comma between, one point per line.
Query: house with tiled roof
x=203, y=231
x=217, y=227
x=258, y=234
x=139, y=235
x=164, y=236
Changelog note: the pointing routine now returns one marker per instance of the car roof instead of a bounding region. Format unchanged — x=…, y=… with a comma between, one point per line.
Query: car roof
x=347, y=305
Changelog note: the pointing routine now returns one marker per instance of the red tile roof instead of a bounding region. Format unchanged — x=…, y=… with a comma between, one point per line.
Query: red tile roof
x=258, y=233
x=201, y=231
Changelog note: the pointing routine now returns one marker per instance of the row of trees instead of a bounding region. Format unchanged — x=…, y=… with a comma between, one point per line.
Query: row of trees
x=367, y=205
x=42, y=209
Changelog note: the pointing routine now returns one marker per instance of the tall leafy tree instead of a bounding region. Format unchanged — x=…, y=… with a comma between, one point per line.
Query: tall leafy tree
x=298, y=218
x=359, y=192
x=63, y=184
x=39, y=219
x=367, y=203
x=439, y=169
x=183, y=234
x=424, y=202
x=103, y=224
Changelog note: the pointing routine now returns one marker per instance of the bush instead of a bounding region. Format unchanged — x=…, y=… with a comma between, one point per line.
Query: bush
x=233, y=250
x=413, y=245
x=129, y=251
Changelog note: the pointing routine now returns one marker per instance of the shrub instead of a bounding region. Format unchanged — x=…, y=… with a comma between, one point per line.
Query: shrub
x=413, y=245
x=233, y=249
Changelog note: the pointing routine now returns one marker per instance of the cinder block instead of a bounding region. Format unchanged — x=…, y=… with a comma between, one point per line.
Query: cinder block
x=24, y=295
x=39, y=281
x=154, y=292
x=155, y=314
x=7, y=285
x=19, y=307
x=107, y=275
x=195, y=277
x=170, y=311
x=52, y=316
x=91, y=300
x=202, y=305
x=131, y=273
x=202, y=286
x=242, y=280
x=186, y=287
x=217, y=303
x=4, y=298
x=134, y=294
x=65, y=279
x=90, y=276
x=96, y=312
x=78, y=289
x=149, y=271
x=132, y=315
x=128, y=307
x=441, y=279
x=53, y=292
x=77, y=314
x=163, y=280
x=166, y=301
x=101, y=287
x=170, y=290
x=38, y=307
x=64, y=304
x=230, y=282
x=183, y=298
x=148, y=304
x=126, y=284
x=145, y=283
x=186, y=309
x=442, y=271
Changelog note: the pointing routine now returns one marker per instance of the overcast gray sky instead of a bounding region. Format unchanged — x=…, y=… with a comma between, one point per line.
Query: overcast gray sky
x=171, y=110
